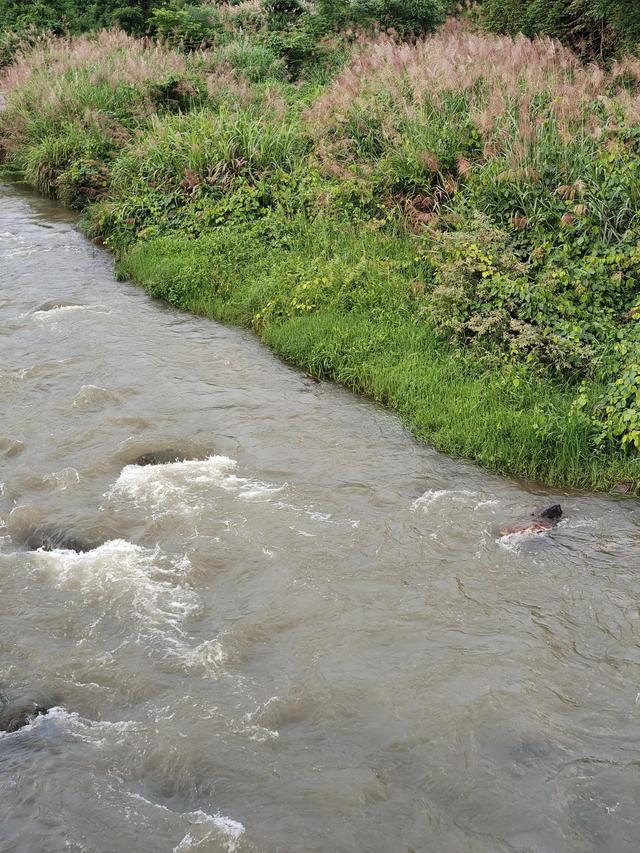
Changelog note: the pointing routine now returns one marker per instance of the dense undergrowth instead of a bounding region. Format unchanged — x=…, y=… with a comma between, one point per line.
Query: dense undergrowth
x=449, y=224
x=594, y=28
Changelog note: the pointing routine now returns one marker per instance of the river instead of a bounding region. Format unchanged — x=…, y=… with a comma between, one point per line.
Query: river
x=307, y=635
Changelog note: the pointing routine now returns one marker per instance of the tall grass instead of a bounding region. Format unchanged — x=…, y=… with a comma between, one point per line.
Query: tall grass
x=208, y=148
x=458, y=99
x=110, y=56
x=81, y=100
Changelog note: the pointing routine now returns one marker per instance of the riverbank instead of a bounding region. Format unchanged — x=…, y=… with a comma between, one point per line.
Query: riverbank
x=463, y=250
x=361, y=331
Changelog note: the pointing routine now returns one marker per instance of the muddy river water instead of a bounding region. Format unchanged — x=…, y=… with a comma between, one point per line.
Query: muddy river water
x=304, y=635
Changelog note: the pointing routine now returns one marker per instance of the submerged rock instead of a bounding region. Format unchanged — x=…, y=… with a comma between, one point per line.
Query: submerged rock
x=161, y=457
x=17, y=715
x=545, y=519
x=162, y=450
x=52, y=539
x=10, y=447
x=29, y=527
x=54, y=305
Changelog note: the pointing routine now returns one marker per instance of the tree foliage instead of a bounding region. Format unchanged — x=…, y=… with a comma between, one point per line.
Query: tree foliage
x=595, y=28
x=75, y=15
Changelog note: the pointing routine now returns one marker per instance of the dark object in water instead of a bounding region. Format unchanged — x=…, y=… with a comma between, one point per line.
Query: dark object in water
x=553, y=512
x=10, y=446
x=47, y=538
x=54, y=304
x=160, y=457
x=623, y=488
x=544, y=520
x=17, y=715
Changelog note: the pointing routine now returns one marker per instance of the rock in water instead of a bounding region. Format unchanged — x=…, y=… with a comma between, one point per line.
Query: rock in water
x=160, y=457
x=52, y=539
x=15, y=716
x=54, y=305
x=553, y=512
x=545, y=519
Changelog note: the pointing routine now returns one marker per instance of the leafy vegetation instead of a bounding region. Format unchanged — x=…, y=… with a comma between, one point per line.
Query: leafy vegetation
x=75, y=15
x=447, y=223
x=595, y=28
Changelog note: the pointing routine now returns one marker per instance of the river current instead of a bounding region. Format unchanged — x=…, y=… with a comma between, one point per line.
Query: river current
x=304, y=635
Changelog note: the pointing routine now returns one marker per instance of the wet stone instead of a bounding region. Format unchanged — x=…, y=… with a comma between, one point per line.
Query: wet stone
x=54, y=305
x=53, y=539
x=552, y=513
x=10, y=447
x=161, y=457
x=17, y=715
x=544, y=520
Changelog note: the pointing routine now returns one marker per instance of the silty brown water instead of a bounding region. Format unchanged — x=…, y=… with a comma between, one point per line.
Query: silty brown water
x=307, y=635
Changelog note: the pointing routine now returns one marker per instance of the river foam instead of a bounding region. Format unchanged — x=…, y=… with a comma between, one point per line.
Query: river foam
x=432, y=496
x=71, y=724
x=204, y=828
x=177, y=486
x=137, y=584
x=217, y=827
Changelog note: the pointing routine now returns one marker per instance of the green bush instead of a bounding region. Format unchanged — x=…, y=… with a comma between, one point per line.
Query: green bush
x=69, y=165
x=50, y=15
x=14, y=41
x=191, y=26
x=75, y=16
x=404, y=16
x=297, y=46
x=252, y=58
x=596, y=28
x=618, y=413
x=281, y=13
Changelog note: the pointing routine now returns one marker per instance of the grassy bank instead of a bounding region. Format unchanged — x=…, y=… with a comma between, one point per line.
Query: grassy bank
x=339, y=303
x=447, y=225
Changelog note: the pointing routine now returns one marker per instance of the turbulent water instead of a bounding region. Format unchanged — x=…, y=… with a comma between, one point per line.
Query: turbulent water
x=304, y=635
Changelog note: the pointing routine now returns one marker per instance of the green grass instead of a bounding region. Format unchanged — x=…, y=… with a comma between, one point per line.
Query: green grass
x=524, y=427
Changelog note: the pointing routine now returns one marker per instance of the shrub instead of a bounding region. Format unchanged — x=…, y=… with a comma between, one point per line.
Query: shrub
x=14, y=42
x=253, y=59
x=596, y=28
x=618, y=413
x=552, y=316
x=190, y=26
x=297, y=46
x=76, y=16
x=404, y=16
